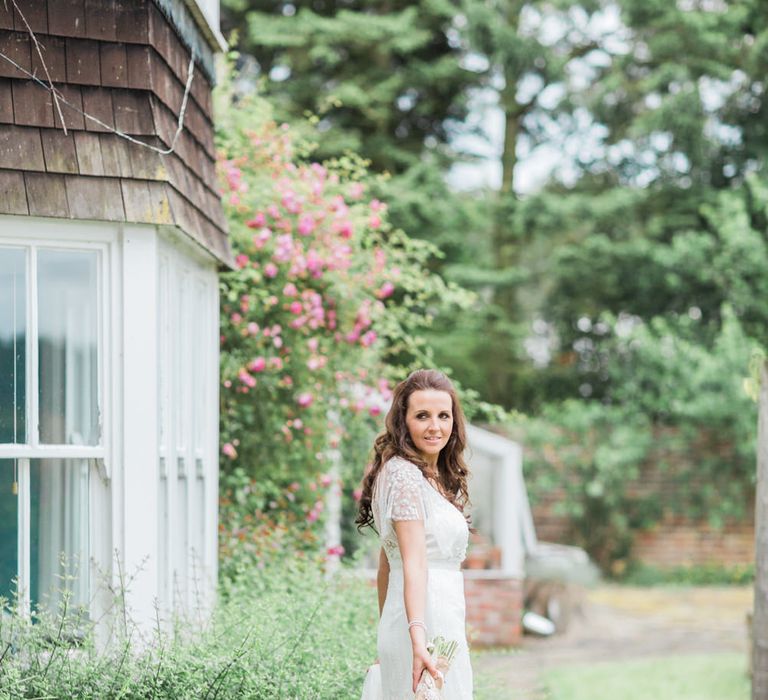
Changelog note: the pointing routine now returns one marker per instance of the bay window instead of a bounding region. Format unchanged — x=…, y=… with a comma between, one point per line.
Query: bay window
x=51, y=430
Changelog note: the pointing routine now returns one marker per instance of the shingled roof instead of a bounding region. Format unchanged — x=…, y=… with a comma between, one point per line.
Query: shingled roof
x=124, y=62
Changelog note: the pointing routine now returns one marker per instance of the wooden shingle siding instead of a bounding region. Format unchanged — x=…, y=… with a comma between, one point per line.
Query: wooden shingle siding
x=59, y=151
x=46, y=194
x=98, y=103
x=6, y=102
x=35, y=14
x=65, y=17
x=123, y=62
x=55, y=56
x=13, y=192
x=21, y=149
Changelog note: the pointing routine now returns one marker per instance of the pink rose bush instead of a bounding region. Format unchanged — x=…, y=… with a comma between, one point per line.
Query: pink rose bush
x=319, y=317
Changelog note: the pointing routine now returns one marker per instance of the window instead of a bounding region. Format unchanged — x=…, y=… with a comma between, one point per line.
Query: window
x=51, y=428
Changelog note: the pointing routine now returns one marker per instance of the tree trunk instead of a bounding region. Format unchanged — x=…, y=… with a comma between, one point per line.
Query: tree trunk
x=512, y=118
x=760, y=618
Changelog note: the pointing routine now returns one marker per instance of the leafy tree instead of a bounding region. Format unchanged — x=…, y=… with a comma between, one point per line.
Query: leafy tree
x=385, y=77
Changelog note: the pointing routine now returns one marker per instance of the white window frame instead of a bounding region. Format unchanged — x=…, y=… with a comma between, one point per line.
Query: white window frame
x=32, y=235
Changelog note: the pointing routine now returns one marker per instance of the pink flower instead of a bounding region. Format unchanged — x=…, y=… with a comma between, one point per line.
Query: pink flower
x=386, y=290
x=345, y=229
x=356, y=190
x=312, y=516
x=277, y=341
x=246, y=378
x=270, y=270
x=229, y=450
x=374, y=411
x=296, y=307
x=256, y=221
x=335, y=551
x=313, y=344
x=260, y=239
x=316, y=362
x=257, y=364
x=290, y=290
x=253, y=328
x=242, y=261
x=368, y=339
x=374, y=221
x=376, y=205
x=273, y=211
x=236, y=318
x=276, y=362
x=357, y=494
x=319, y=170
x=307, y=224
x=325, y=480
x=305, y=399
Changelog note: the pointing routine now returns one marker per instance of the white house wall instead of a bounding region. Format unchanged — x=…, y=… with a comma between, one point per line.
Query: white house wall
x=187, y=454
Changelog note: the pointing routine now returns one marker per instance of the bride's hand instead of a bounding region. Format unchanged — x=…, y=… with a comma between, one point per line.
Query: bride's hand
x=422, y=660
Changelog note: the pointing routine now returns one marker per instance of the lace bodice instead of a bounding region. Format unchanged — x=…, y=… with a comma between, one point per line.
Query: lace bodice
x=402, y=493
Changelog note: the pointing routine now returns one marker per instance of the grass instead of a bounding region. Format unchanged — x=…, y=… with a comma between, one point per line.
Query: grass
x=702, y=677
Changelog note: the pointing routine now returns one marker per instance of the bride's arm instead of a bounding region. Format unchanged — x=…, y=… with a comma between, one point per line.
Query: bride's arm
x=413, y=549
x=382, y=579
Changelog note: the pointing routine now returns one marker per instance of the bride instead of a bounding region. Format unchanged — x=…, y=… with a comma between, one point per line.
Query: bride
x=414, y=496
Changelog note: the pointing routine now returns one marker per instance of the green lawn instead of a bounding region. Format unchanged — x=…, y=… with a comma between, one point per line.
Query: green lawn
x=708, y=677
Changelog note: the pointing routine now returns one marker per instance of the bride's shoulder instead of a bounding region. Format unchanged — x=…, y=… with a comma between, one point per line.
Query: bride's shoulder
x=400, y=464
x=401, y=470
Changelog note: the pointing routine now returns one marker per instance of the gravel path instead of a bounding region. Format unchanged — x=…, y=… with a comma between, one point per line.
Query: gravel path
x=621, y=623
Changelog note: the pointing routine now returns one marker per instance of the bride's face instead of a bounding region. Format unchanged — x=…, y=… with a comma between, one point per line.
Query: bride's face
x=430, y=421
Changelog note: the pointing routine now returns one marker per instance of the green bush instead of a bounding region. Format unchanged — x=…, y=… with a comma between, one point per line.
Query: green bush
x=678, y=410
x=701, y=575
x=283, y=632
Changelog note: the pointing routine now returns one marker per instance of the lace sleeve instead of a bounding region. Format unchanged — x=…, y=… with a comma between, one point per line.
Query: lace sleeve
x=402, y=491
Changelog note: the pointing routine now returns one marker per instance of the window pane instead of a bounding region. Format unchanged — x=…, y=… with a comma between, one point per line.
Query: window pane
x=59, y=542
x=68, y=367
x=9, y=532
x=13, y=333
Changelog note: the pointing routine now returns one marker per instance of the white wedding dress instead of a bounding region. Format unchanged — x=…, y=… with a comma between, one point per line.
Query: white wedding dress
x=402, y=493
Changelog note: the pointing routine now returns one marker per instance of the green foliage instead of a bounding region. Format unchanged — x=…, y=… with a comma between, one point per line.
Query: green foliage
x=283, y=632
x=673, y=677
x=327, y=309
x=677, y=407
x=591, y=452
x=702, y=575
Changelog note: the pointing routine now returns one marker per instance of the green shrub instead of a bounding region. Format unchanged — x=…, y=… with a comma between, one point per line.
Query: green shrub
x=701, y=575
x=283, y=632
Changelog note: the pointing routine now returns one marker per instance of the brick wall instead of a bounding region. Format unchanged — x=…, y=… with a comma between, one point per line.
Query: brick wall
x=674, y=541
x=494, y=608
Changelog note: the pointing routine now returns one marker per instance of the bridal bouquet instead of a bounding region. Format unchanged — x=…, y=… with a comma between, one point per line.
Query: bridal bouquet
x=442, y=652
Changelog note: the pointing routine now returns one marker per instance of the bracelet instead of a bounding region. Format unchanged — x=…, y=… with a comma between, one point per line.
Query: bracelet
x=417, y=623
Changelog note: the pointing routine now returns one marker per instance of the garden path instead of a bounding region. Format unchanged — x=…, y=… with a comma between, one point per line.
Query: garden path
x=621, y=623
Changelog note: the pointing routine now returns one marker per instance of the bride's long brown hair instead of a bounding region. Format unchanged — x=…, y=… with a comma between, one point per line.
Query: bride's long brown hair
x=396, y=441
